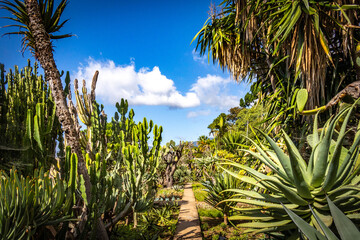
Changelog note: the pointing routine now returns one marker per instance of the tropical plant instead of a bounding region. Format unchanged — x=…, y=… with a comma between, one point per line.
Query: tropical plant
x=331, y=170
x=49, y=15
x=345, y=227
x=216, y=188
x=121, y=165
x=313, y=40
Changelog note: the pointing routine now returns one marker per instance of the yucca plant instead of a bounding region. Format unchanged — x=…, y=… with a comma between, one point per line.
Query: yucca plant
x=331, y=170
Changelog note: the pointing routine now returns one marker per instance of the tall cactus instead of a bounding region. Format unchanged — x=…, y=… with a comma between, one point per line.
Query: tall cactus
x=28, y=125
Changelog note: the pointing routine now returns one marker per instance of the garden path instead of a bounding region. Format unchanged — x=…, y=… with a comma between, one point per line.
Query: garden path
x=188, y=226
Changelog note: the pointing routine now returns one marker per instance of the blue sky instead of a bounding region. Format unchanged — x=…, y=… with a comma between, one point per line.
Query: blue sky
x=143, y=53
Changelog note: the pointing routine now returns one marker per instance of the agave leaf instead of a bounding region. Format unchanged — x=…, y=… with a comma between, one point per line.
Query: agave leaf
x=259, y=196
x=253, y=216
x=328, y=233
x=349, y=157
x=284, y=160
x=309, y=231
x=290, y=194
x=301, y=161
x=343, y=190
x=253, y=180
x=267, y=161
x=322, y=152
x=346, y=228
x=330, y=178
x=300, y=181
x=265, y=224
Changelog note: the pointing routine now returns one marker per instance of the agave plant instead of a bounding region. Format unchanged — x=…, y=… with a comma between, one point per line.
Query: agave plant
x=331, y=170
x=345, y=227
x=216, y=192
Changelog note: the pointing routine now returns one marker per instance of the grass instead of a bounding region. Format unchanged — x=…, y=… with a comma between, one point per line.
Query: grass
x=213, y=213
x=199, y=192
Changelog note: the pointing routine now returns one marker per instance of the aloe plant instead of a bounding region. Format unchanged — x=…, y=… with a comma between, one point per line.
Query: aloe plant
x=297, y=183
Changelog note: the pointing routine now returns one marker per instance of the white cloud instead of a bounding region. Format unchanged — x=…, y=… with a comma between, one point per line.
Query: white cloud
x=213, y=90
x=150, y=87
x=197, y=58
x=193, y=114
x=145, y=87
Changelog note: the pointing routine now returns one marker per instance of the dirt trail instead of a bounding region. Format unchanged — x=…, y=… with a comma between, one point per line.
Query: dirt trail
x=188, y=226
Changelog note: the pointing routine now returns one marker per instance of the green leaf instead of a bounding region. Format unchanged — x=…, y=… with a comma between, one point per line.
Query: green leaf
x=299, y=176
x=284, y=160
x=328, y=233
x=301, y=99
x=321, y=153
x=309, y=231
x=346, y=228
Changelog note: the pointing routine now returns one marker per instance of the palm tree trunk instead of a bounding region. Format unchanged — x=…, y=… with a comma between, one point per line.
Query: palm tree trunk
x=43, y=52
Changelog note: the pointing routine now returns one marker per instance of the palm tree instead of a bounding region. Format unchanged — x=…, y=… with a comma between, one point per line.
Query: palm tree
x=37, y=25
x=307, y=39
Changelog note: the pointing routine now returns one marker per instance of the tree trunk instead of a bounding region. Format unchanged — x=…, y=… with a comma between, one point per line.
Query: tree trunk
x=169, y=174
x=43, y=52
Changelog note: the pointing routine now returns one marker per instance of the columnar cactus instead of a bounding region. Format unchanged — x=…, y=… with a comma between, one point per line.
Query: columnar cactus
x=28, y=125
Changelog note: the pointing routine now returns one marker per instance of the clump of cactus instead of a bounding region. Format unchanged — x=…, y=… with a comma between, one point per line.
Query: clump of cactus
x=28, y=125
x=119, y=159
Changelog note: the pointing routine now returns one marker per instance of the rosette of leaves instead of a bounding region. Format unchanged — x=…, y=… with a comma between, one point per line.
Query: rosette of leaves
x=296, y=182
x=216, y=189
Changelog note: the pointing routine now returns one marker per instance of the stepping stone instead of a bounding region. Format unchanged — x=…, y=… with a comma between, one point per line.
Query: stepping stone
x=188, y=226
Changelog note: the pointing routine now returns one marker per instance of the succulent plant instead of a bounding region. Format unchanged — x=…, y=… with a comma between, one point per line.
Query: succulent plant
x=345, y=227
x=29, y=204
x=28, y=125
x=331, y=170
x=216, y=188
